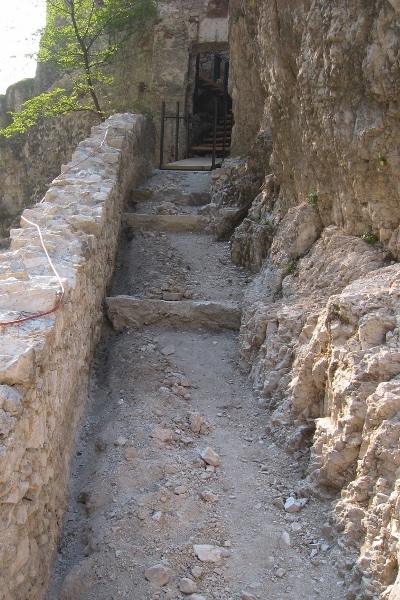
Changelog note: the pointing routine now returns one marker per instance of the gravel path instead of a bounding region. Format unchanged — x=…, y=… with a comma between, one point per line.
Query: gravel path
x=177, y=491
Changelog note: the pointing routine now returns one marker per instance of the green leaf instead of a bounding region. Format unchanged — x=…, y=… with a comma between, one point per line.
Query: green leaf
x=80, y=37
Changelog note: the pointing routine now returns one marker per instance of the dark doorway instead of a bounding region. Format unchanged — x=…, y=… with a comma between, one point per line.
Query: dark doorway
x=212, y=106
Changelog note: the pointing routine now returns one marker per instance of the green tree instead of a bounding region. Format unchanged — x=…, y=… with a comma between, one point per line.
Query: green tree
x=80, y=38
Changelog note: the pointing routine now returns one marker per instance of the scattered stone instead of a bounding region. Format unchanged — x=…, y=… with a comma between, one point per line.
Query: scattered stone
x=284, y=541
x=120, y=441
x=198, y=463
x=198, y=424
x=197, y=597
x=209, y=496
x=181, y=489
x=171, y=469
x=209, y=553
x=132, y=453
x=179, y=390
x=280, y=573
x=211, y=457
x=185, y=382
x=186, y=440
x=187, y=586
x=292, y=505
x=325, y=547
x=159, y=433
x=159, y=517
x=168, y=350
x=164, y=390
x=247, y=596
x=157, y=574
x=279, y=503
x=100, y=445
x=197, y=572
x=195, y=422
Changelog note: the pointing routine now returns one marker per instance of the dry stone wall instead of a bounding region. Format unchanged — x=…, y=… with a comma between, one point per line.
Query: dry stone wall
x=45, y=363
x=30, y=161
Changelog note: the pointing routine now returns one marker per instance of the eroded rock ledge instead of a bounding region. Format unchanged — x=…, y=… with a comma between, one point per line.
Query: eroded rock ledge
x=44, y=363
x=319, y=336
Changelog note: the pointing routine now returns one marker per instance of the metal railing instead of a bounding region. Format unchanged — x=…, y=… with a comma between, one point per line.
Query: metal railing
x=178, y=118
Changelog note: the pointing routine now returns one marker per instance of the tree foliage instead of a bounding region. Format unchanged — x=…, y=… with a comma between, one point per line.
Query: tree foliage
x=80, y=37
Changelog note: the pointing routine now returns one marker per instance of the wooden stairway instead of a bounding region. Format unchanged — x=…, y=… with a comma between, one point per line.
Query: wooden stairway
x=206, y=146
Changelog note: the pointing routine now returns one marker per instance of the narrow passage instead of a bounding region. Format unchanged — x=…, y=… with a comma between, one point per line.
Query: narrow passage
x=177, y=491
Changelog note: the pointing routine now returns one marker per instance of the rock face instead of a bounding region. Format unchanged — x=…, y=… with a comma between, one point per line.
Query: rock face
x=327, y=77
x=320, y=333
x=40, y=402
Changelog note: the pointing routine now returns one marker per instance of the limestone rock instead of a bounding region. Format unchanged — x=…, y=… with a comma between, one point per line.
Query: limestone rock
x=187, y=586
x=157, y=574
x=292, y=505
x=120, y=441
x=209, y=496
x=161, y=433
x=284, y=541
x=181, y=489
x=197, y=572
x=209, y=553
x=210, y=457
x=168, y=350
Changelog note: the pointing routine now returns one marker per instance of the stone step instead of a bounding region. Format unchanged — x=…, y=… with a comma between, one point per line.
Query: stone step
x=135, y=312
x=169, y=195
x=177, y=223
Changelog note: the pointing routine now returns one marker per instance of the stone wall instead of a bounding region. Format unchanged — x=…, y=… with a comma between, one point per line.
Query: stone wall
x=314, y=87
x=45, y=362
x=30, y=161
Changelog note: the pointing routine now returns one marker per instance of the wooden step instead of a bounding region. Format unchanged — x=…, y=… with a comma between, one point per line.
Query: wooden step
x=219, y=138
x=210, y=83
x=209, y=148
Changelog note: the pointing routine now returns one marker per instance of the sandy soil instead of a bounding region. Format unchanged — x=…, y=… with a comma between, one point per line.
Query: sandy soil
x=142, y=499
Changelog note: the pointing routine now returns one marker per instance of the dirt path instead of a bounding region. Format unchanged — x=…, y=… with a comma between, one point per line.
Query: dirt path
x=177, y=490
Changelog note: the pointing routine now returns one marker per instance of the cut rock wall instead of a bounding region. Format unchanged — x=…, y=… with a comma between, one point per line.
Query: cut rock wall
x=45, y=363
x=327, y=75
x=320, y=332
